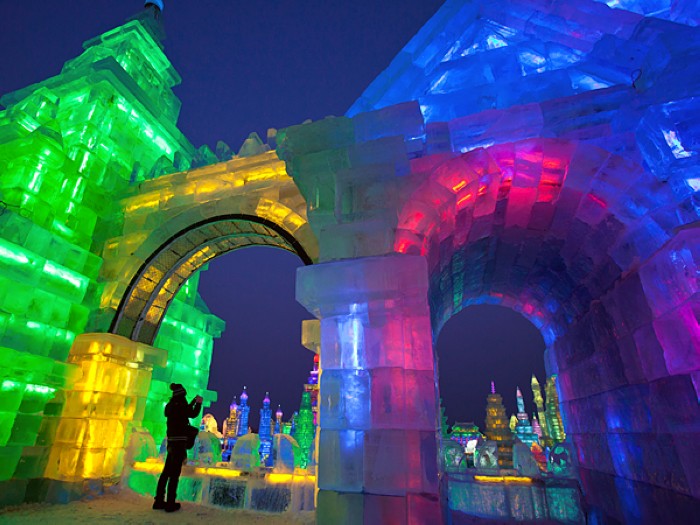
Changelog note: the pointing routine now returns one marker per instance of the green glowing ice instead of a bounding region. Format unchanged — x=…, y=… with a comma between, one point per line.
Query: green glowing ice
x=70, y=148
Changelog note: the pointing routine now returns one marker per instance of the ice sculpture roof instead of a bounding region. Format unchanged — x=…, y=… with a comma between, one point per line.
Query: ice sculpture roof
x=478, y=55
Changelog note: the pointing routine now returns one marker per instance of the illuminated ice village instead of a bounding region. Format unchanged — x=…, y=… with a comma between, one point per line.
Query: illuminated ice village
x=542, y=155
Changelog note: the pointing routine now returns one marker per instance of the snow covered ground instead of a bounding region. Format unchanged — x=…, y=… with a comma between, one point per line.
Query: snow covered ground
x=129, y=508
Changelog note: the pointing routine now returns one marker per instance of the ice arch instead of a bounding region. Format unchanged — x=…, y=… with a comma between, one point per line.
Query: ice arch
x=177, y=223
x=572, y=236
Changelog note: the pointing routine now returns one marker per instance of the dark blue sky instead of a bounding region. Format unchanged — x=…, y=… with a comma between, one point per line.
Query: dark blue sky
x=248, y=66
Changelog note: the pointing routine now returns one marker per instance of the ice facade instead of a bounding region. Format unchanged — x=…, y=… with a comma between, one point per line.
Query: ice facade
x=537, y=154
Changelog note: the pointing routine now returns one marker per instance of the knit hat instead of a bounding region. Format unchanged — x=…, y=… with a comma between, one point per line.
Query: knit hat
x=178, y=389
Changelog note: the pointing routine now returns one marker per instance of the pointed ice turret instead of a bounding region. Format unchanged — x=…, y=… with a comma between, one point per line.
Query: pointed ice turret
x=536, y=428
x=539, y=403
x=304, y=429
x=230, y=430
x=497, y=428
x=312, y=388
x=243, y=413
x=253, y=145
x=523, y=428
x=519, y=400
x=555, y=426
x=278, y=419
x=154, y=8
x=265, y=433
x=151, y=17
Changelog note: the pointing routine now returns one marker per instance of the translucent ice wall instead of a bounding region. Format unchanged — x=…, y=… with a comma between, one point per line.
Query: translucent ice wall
x=548, y=162
x=69, y=147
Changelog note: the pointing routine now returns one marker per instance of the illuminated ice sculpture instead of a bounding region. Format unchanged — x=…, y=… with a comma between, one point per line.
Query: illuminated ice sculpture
x=535, y=154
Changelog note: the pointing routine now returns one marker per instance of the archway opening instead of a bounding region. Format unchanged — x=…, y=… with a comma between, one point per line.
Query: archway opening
x=173, y=261
x=568, y=234
x=484, y=343
x=253, y=292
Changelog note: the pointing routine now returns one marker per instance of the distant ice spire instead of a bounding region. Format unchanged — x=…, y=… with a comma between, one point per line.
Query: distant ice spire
x=520, y=400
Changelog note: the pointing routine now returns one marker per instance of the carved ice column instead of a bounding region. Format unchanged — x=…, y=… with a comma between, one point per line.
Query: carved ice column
x=378, y=406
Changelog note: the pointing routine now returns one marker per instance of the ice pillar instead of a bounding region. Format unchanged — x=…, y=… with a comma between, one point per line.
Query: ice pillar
x=378, y=403
x=101, y=407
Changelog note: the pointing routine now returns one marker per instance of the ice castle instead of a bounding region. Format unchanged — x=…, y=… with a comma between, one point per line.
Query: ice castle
x=538, y=154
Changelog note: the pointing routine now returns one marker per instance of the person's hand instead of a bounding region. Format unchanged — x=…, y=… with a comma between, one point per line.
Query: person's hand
x=199, y=399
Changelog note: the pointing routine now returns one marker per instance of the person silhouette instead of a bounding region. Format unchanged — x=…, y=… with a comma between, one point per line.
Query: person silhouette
x=181, y=437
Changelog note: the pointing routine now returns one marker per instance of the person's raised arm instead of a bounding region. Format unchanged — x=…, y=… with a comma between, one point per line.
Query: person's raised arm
x=195, y=406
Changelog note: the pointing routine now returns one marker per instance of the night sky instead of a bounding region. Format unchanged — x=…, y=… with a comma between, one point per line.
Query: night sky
x=248, y=66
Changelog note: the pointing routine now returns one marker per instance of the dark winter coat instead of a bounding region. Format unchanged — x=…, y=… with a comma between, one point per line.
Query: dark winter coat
x=179, y=411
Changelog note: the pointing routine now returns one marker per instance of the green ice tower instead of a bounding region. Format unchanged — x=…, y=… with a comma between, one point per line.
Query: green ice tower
x=304, y=431
x=555, y=426
x=70, y=148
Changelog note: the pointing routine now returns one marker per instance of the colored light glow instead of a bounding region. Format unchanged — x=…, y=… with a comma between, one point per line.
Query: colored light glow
x=218, y=472
x=163, y=145
x=354, y=331
x=403, y=246
x=600, y=202
x=463, y=200
x=76, y=280
x=694, y=183
x=9, y=254
x=39, y=389
x=148, y=466
x=459, y=186
x=503, y=479
x=156, y=467
x=675, y=144
x=286, y=478
x=494, y=42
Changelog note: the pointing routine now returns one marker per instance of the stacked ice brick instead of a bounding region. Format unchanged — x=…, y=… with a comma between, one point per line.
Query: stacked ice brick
x=587, y=229
x=182, y=220
x=178, y=222
x=99, y=412
x=471, y=57
x=377, y=448
x=68, y=146
x=556, y=174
